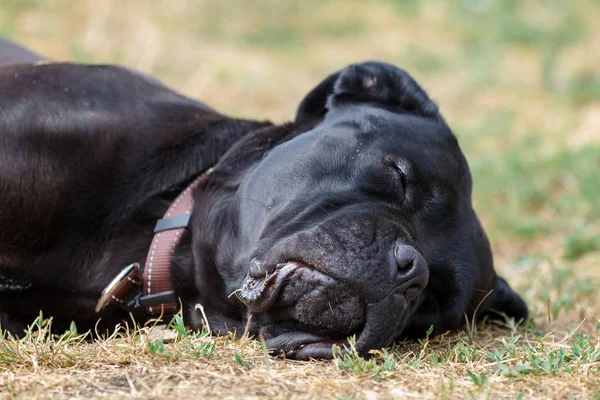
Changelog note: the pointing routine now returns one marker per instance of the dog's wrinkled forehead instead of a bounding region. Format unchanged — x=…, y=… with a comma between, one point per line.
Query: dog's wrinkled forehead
x=363, y=131
x=360, y=151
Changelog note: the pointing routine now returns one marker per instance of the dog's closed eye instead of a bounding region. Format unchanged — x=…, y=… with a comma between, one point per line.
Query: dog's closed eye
x=401, y=168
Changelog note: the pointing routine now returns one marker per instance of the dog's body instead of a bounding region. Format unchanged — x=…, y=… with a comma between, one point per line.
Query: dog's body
x=355, y=218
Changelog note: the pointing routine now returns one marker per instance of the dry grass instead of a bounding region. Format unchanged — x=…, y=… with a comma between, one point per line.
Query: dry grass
x=487, y=362
x=519, y=84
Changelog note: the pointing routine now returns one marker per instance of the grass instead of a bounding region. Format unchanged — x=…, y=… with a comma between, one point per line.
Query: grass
x=517, y=81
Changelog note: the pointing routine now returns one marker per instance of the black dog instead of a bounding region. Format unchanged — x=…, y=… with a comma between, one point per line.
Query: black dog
x=356, y=218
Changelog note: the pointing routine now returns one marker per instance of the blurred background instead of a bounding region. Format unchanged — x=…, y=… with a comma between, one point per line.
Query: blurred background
x=518, y=81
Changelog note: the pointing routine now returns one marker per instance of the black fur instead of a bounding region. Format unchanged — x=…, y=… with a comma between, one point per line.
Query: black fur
x=359, y=210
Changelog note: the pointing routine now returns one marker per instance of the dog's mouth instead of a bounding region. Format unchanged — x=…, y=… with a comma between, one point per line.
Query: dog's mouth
x=379, y=329
x=302, y=313
x=260, y=294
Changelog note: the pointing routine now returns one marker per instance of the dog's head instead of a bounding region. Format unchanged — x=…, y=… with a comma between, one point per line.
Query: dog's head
x=363, y=224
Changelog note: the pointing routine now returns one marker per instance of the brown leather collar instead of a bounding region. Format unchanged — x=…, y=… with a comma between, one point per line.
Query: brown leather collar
x=147, y=292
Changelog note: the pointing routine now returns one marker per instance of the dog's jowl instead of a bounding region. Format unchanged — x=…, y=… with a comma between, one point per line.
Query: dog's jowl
x=120, y=197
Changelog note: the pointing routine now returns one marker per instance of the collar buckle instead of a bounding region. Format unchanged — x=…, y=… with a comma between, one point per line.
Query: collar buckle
x=124, y=290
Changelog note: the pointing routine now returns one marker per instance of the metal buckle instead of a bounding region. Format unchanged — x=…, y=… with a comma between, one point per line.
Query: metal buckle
x=110, y=288
x=125, y=292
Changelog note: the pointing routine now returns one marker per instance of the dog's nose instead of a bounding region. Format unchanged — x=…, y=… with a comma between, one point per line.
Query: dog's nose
x=412, y=273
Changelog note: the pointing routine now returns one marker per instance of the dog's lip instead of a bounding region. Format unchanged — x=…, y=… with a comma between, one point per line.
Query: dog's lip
x=260, y=294
x=298, y=347
x=379, y=329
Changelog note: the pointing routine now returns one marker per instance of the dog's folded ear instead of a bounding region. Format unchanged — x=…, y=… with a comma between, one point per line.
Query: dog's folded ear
x=504, y=301
x=371, y=82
